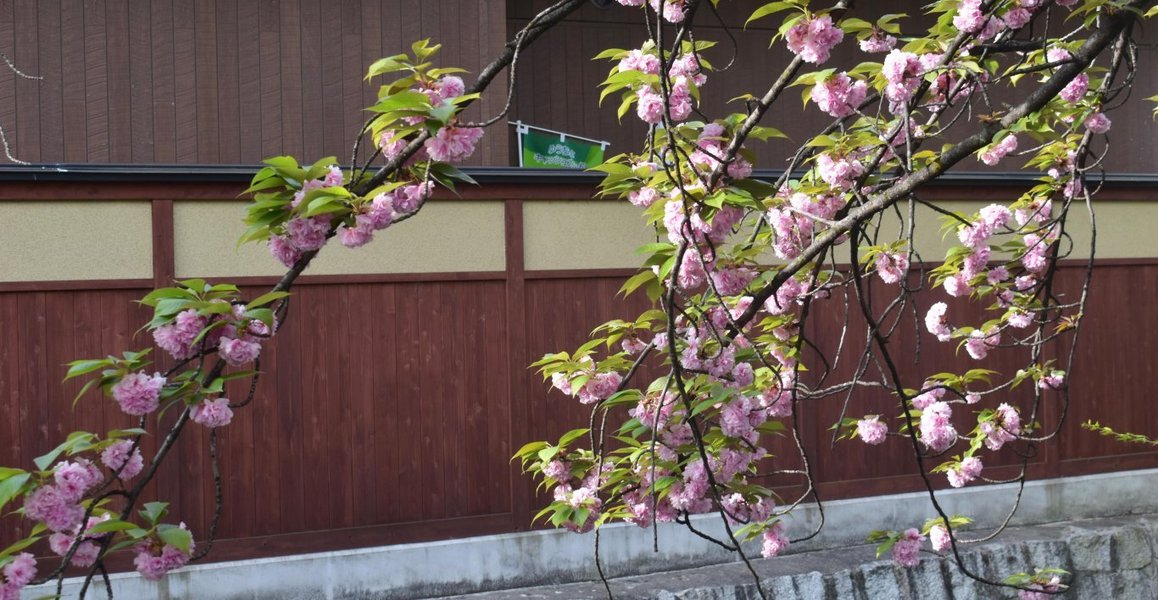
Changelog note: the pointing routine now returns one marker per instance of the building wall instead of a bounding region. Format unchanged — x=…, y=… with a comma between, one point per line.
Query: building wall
x=558, y=85
x=219, y=81
x=398, y=389
x=233, y=81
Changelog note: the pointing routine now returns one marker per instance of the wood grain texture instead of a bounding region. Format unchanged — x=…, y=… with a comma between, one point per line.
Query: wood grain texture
x=389, y=408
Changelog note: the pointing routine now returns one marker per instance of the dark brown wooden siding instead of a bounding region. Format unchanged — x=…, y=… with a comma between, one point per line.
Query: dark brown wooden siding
x=390, y=404
x=558, y=84
x=219, y=81
x=233, y=81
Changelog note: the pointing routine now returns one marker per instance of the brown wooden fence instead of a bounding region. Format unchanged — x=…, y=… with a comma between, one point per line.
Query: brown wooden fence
x=392, y=403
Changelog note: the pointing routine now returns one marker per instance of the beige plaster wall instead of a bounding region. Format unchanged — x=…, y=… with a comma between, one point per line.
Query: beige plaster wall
x=447, y=236
x=82, y=240
x=583, y=234
x=1125, y=229
x=599, y=234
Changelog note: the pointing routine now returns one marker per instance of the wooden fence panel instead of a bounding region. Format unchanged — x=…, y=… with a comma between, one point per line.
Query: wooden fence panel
x=391, y=403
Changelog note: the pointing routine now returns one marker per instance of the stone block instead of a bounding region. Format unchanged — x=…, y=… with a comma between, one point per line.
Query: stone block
x=1131, y=548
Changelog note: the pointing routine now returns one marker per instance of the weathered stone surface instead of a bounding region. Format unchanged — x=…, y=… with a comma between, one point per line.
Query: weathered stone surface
x=1091, y=552
x=1108, y=558
x=1131, y=549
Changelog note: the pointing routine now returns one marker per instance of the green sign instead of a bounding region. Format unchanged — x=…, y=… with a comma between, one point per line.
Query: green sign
x=554, y=151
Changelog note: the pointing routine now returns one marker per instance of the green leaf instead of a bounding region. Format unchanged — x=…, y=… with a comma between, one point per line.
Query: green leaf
x=635, y=281
x=266, y=298
x=452, y=172
x=111, y=526
x=154, y=511
x=572, y=435
x=75, y=439
x=768, y=9
x=175, y=536
x=529, y=449
x=390, y=64
x=19, y=545
x=548, y=453
x=11, y=486
x=77, y=368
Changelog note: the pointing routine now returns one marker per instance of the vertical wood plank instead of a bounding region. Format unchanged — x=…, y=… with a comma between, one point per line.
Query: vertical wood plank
x=164, y=82
x=185, y=82
x=353, y=67
x=140, y=80
x=227, y=75
x=315, y=37
x=96, y=84
x=388, y=406
x=73, y=76
x=26, y=55
x=247, y=109
x=119, y=70
x=207, y=78
x=516, y=350
x=50, y=109
x=270, y=71
x=8, y=101
x=332, y=135
x=292, y=54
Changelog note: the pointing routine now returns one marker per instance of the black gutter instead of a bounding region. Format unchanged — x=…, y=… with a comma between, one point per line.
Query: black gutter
x=241, y=174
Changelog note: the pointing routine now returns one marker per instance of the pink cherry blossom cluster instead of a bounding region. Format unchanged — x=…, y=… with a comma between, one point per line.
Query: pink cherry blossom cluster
x=972, y=17
x=650, y=105
x=582, y=493
x=930, y=392
x=698, y=228
x=638, y=60
x=139, y=393
x=871, y=430
x=798, y=218
x=965, y=471
x=179, y=337
x=381, y=212
x=1042, y=591
x=937, y=431
x=906, y=550
x=453, y=143
x=673, y=11
x=688, y=65
x=1097, y=123
x=948, y=84
x=87, y=550
x=1076, y=89
x=839, y=95
x=775, y=541
x=741, y=511
x=212, y=413
x=892, y=266
x=839, y=170
x=998, y=151
x=936, y=323
x=812, y=38
x=57, y=504
x=939, y=538
x=879, y=41
x=154, y=558
x=18, y=573
x=902, y=71
x=123, y=459
x=238, y=340
x=711, y=148
x=304, y=234
x=1002, y=427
